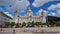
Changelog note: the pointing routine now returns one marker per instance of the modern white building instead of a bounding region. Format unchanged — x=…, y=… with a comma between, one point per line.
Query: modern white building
x=29, y=17
x=4, y=18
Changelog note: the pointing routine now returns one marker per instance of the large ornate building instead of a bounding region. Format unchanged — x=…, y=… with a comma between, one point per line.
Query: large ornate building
x=29, y=17
x=4, y=18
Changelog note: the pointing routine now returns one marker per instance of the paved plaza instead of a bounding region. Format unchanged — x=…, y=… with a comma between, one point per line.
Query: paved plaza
x=43, y=30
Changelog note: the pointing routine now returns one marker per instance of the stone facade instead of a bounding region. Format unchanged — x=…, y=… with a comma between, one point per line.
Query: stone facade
x=4, y=18
x=29, y=17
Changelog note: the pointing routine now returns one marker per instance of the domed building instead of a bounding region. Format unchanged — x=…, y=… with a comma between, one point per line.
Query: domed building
x=29, y=17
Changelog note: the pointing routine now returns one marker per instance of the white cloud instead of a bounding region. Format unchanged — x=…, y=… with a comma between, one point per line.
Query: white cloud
x=39, y=12
x=7, y=13
x=15, y=4
x=52, y=14
x=38, y=3
x=7, y=2
x=58, y=11
x=55, y=7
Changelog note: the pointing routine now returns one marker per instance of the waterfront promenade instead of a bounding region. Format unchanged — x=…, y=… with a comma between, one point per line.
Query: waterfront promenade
x=37, y=30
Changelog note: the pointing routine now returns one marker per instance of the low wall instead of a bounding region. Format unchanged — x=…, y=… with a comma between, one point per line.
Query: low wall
x=41, y=30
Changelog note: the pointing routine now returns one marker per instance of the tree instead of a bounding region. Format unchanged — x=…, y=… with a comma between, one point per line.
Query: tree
x=37, y=23
x=32, y=24
x=12, y=24
x=51, y=24
x=7, y=23
x=23, y=24
x=48, y=23
x=58, y=23
x=40, y=23
x=43, y=23
x=28, y=24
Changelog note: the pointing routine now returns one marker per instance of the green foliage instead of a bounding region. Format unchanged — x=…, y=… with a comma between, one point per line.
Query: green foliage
x=29, y=23
x=44, y=23
x=37, y=23
x=7, y=23
x=51, y=23
x=12, y=24
x=32, y=23
x=48, y=23
x=23, y=24
x=58, y=23
x=40, y=23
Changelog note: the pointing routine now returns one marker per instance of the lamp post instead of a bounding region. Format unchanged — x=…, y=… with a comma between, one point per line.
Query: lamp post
x=30, y=18
x=47, y=18
x=18, y=19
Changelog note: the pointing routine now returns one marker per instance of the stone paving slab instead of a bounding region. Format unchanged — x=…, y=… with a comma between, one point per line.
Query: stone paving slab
x=44, y=30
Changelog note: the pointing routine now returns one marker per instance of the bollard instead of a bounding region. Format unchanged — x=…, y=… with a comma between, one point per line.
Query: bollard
x=13, y=31
x=1, y=31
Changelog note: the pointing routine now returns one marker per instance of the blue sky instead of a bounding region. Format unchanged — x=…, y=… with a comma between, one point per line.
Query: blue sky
x=51, y=7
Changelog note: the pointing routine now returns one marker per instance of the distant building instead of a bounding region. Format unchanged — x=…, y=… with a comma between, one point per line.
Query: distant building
x=4, y=18
x=29, y=17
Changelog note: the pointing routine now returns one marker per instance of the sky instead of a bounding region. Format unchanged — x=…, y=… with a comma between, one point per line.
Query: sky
x=51, y=7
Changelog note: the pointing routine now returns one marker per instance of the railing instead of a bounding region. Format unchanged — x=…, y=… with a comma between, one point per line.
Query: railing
x=43, y=30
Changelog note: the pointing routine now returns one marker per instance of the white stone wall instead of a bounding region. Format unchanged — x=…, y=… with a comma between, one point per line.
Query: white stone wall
x=4, y=18
x=15, y=18
x=30, y=19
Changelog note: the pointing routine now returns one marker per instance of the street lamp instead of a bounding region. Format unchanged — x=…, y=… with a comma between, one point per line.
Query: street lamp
x=18, y=19
x=30, y=18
